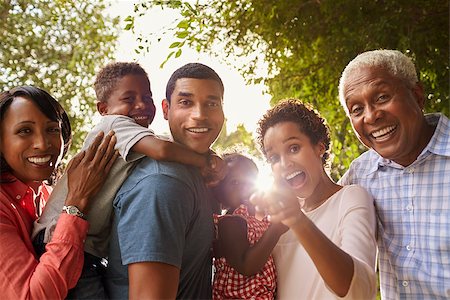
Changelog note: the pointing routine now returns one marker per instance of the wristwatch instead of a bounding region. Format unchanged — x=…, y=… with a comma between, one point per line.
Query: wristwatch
x=73, y=210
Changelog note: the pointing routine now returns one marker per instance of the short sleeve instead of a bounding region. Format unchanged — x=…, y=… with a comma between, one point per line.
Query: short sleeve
x=156, y=217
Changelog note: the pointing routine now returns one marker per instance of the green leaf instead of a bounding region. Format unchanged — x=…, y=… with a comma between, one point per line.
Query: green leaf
x=183, y=24
x=174, y=45
x=182, y=34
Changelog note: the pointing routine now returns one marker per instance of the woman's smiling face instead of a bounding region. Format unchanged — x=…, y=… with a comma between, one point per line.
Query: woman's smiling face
x=30, y=142
x=295, y=161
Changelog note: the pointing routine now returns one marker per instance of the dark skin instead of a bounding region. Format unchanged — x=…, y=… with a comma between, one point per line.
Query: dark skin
x=232, y=243
x=132, y=97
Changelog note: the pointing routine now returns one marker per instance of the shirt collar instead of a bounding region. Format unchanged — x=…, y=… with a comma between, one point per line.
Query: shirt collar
x=440, y=141
x=15, y=188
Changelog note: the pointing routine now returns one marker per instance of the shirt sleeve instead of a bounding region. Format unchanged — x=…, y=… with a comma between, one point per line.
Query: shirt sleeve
x=128, y=133
x=22, y=276
x=358, y=228
x=156, y=217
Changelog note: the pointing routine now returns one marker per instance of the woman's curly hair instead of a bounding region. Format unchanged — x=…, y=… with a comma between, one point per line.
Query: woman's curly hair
x=309, y=122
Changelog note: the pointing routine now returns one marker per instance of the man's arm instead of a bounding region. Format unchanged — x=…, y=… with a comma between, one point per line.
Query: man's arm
x=213, y=168
x=153, y=280
x=159, y=149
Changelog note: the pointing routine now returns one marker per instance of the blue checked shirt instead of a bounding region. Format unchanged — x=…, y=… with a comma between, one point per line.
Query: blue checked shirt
x=413, y=216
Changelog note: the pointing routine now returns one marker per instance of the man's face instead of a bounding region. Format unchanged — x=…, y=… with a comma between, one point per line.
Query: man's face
x=195, y=112
x=386, y=114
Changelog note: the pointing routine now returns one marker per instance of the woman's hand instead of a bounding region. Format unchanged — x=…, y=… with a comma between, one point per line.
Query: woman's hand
x=87, y=171
x=281, y=205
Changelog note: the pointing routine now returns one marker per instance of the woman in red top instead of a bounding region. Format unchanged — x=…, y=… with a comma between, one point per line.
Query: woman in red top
x=34, y=135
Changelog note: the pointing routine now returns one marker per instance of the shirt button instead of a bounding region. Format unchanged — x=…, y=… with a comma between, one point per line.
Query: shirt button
x=409, y=207
x=408, y=247
x=18, y=197
x=405, y=283
x=411, y=170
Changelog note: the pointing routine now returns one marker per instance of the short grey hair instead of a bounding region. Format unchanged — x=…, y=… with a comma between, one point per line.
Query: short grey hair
x=393, y=61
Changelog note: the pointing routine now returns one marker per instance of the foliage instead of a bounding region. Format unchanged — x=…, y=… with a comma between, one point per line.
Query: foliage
x=240, y=139
x=307, y=43
x=58, y=46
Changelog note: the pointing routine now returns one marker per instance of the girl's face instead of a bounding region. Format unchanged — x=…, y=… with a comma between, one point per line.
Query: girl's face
x=30, y=142
x=295, y=162
x=238, y=185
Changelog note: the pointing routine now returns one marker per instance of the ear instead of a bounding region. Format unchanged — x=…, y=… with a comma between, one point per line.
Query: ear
x=419, y=94
x=102, y=108
x=165, y=108
x=320, y=149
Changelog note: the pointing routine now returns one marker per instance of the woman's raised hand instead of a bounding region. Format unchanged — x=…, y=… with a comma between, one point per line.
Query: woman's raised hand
x=87, y=171
x=279, y=203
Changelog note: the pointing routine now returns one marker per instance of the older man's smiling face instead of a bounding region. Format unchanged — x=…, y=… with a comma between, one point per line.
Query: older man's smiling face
x=385, y=113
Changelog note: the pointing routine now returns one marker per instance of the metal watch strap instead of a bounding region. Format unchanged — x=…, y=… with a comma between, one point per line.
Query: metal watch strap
x=73, y=210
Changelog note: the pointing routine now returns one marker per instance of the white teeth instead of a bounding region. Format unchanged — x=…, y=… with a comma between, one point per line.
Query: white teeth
x=141, y=118
x=292, y=175
x=198, y=130
x=383, y=131
x=39, y=160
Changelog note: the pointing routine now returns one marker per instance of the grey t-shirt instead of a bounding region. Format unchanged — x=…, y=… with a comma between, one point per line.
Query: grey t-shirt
x=128, y=133
x=163, y=214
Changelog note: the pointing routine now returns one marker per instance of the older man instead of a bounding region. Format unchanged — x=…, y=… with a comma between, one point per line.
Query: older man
x=407, y=170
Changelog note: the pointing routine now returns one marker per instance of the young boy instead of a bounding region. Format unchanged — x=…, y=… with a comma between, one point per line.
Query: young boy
x=126, y=105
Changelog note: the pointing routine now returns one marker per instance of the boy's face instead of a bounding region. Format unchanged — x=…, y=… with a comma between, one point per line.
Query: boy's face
x=132, y=97
x=195, y=112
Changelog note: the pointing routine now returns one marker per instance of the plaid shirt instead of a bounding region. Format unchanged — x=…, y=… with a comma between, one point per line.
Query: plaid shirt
x=229, y=283
x=413, y=212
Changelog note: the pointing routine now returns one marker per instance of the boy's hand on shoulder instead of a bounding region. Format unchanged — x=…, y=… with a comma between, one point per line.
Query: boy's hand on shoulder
x=215, y=171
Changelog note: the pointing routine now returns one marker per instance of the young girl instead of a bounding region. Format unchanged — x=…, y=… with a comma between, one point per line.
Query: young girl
x=34, y=135
x=330, y=250
x=243, y=262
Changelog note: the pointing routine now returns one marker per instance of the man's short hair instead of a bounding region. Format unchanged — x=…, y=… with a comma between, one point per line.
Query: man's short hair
x=393, y=61
x=108, y=76
x=192, y=70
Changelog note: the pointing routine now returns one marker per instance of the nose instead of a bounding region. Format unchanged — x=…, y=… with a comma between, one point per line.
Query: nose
x=41, y=141
x=371, y=114
x=139, y=103
x=285, y=161
x=199, y=112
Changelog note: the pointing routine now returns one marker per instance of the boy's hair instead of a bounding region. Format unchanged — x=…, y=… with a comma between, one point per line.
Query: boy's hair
x=192, y=70
x=108, y=76
x=309, y=122
x=393, y=61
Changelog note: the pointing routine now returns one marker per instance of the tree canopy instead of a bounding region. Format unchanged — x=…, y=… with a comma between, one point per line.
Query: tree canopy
x=306, y=44
x=57, y=46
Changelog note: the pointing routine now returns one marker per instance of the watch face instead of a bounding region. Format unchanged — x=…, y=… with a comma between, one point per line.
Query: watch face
x=72, y=210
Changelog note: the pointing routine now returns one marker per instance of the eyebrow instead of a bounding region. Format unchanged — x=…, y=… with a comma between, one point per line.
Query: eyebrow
x=185, y=94
x=33, y=122
x=134, y=93
x=188, y=94
x=284, y=141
